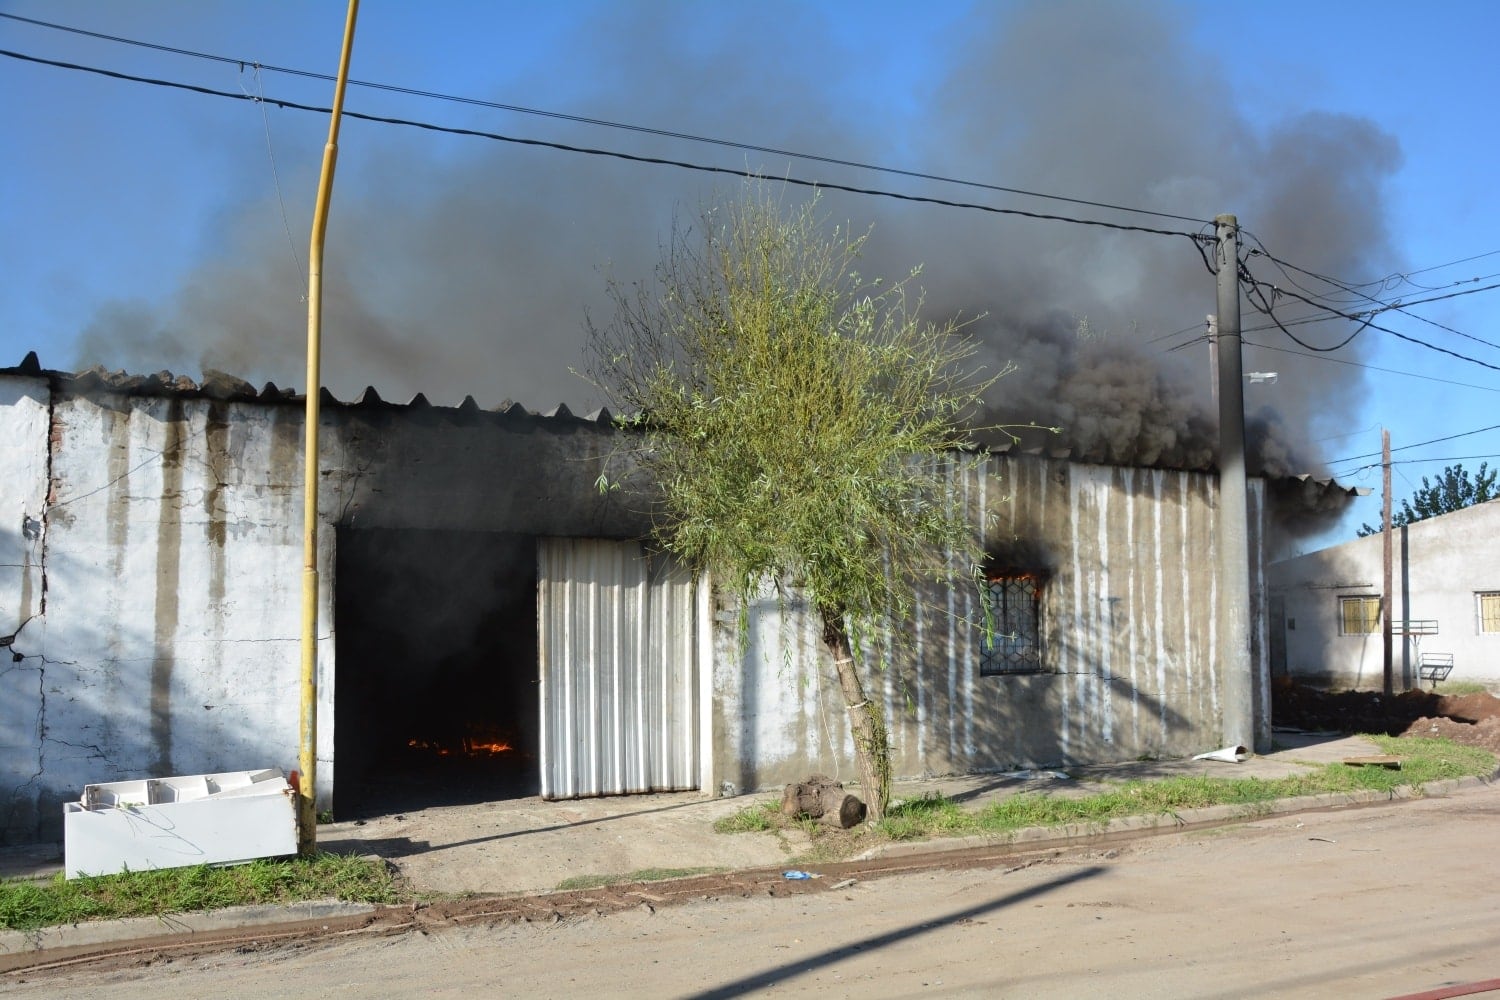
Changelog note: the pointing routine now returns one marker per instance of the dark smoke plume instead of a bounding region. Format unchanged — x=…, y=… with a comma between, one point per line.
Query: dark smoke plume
x=465, y=267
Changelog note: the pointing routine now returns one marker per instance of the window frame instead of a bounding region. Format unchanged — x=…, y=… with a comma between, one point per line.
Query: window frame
x=1374, y=621
x=1487, y=620
x=1022, y=595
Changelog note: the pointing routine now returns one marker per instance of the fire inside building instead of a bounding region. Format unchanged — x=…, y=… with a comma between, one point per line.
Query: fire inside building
x=495, y=626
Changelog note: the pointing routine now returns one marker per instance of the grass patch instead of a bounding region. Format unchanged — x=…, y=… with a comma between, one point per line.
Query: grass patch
x=1423, y=760
x=27, y=904
x=757, y=818
x=1461, y=688
x=576, y=882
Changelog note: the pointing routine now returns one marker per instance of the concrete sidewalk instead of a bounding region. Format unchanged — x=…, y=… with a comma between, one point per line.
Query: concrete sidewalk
x=529, y=845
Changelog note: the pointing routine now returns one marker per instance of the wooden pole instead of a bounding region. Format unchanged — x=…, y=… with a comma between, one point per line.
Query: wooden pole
x=1386, y=604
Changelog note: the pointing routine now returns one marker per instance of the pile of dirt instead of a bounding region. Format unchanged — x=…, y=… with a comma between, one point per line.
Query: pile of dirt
x=1469, y=719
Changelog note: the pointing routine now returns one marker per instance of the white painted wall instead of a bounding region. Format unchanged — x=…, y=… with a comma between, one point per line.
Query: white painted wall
x=23, y=494
x=1440, y=564
x=169, y=643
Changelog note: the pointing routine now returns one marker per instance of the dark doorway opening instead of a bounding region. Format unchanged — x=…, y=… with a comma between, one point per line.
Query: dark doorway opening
x=436, y=700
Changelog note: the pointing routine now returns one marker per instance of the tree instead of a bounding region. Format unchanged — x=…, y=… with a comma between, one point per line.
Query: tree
x=1454, y=490
x=798, y=422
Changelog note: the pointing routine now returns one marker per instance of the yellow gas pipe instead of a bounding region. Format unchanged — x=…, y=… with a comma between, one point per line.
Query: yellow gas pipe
x=307, y=811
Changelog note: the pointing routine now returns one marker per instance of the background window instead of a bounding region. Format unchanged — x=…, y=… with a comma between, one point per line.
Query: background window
x=1489, y=612
x=1359, y=615
x=1015, y=607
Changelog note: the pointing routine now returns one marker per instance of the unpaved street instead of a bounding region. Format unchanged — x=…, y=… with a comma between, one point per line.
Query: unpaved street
x=1368, y=903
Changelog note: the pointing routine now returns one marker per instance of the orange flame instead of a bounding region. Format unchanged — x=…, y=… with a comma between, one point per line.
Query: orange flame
x=469, y=746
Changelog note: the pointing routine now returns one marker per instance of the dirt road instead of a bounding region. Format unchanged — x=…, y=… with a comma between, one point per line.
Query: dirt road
x=1375, y=902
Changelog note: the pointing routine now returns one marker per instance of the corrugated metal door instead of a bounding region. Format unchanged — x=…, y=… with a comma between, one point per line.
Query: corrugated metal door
x=619, y=670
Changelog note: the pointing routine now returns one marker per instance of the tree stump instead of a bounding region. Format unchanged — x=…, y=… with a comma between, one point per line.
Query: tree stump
x=823, y=799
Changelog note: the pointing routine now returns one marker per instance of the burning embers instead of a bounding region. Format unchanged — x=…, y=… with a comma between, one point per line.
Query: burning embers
x=479, y=741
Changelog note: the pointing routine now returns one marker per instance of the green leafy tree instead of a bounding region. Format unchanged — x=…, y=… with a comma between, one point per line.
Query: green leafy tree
x=799, y=422
x=1454, y=490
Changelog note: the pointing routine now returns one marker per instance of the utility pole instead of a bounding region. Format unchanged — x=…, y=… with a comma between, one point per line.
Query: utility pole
x=307, y=790
x=1387, y=605
x=1213, y=355
x=1237, y=701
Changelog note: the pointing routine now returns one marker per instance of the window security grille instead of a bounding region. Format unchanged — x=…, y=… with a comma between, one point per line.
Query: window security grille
x=1015, y=645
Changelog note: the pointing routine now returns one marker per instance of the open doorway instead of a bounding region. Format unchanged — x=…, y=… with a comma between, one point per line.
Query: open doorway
x=436, y=697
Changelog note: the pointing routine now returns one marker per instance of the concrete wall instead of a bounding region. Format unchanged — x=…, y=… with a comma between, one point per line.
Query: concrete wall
x=1440, y=564
x=153, y=565
x=1129, y=621
x=24, y=407
x=165, y=637
x=153, y=580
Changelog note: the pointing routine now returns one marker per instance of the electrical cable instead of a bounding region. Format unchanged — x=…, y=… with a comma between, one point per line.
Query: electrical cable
x=1419, y=444
x=1287, y=266
x=614, y=154
x=1418, y=461
x=1368, y=321
x=286, y=226
x=1254, y=291
x=1359, y=364
x=607, y=123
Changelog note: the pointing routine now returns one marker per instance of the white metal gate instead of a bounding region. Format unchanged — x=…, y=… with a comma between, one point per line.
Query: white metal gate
x=619, y=670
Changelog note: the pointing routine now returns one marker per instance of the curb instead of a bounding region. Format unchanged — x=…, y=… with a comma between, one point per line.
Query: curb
x=132, y=928
x=1208, y=816
x=109, y=932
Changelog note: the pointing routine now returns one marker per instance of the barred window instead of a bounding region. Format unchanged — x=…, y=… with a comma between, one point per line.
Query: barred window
x=1014, y=643
x=1489, y=612
x=1359, y=615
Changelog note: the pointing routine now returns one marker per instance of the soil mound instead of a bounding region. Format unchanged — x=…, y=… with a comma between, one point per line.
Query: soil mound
x=1470, y=719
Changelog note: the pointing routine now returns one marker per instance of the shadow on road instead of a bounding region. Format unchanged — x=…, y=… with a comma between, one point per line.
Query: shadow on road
x=781, y=973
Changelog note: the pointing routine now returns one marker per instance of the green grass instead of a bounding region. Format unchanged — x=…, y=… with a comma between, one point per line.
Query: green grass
x=1461, y=688
x=644, y=875
x=758, y=818
x=27, y=904
x=1423, y=761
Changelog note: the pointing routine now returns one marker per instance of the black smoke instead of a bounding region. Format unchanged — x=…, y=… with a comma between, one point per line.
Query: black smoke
x=466, y=267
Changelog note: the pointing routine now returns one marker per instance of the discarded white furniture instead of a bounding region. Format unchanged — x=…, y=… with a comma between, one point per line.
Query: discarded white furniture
x=176, y=822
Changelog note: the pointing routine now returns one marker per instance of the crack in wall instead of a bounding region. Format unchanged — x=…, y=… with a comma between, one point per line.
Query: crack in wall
x=18, y=792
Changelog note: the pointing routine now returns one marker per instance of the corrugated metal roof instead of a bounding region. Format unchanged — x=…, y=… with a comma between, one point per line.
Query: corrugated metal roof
x=222, y=385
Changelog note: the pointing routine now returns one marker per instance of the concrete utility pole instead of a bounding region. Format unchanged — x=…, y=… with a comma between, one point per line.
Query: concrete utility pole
x=1386, y=604
x=1213, y=356
x=307, y=791
x=1236, y=689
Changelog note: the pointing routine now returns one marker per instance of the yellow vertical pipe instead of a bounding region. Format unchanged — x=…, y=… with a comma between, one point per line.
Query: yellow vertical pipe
x=307, y=810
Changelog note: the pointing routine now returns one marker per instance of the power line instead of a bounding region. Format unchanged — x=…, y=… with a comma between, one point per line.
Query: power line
x=1177, y=333
x=607, y=123
x=1405, y=278
x=1397, y=306
x=1287, y=266
x=1418, y=461
x=613, y=154
x=1264, y=306
x=1352, y=287
x=1358, y=364
x=1420, y=444
x=1391, y=280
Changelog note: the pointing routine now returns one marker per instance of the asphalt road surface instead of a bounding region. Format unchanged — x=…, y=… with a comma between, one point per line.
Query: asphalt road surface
x=1373, y=902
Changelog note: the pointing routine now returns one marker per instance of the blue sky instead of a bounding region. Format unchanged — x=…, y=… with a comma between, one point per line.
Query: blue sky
x=143, y=227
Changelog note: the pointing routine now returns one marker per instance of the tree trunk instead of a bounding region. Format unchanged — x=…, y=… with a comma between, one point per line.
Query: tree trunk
x=823, y=799
x=872, y=751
